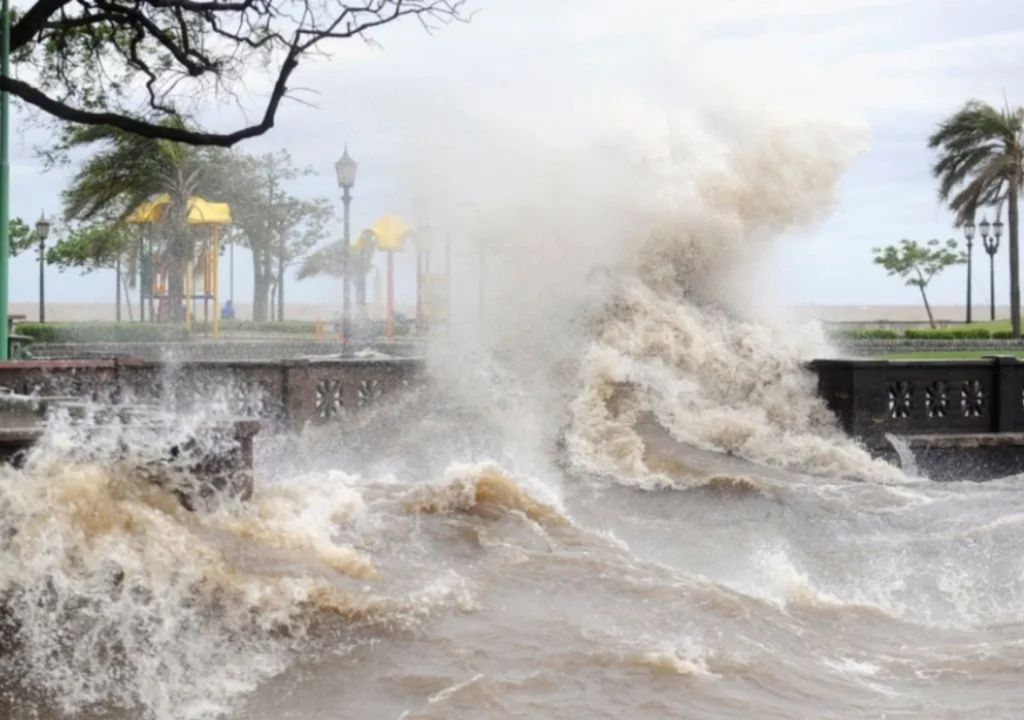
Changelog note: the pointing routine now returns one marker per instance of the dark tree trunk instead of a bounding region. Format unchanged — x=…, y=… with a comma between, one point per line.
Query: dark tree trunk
x=179, y=255
x=176, y=289
x=1014, y=260
x=280, y=288
x=260, y=295
x=927, y=307
x=260, y=289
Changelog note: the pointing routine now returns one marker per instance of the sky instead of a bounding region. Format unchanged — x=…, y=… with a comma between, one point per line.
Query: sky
x=424, y=112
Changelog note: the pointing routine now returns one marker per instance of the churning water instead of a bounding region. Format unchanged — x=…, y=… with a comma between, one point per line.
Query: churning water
x=638, y=509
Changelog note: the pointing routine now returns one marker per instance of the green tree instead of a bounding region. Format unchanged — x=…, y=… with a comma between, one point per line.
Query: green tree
x=276, y=226
x=981, y=162
x=127, y=170
x=918, y=264
x=89, y=246
x=130, y=64
x=99, y=244
x=330, y=260
x=21, y=236
x=124, y=172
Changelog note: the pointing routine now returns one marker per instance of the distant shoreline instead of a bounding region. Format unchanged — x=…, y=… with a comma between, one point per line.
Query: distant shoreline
x=84, y=312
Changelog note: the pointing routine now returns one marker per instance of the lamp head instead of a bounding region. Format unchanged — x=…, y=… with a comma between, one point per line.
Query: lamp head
x=346, y=170
x=42, y=227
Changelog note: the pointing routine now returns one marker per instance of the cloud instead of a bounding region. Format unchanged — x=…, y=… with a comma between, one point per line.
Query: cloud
x=466, y=107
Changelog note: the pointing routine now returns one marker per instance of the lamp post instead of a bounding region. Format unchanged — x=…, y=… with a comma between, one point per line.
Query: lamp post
x=346, y=170
x=991, y=243
x=5, y=177
x=969, y=234
x=42, y=232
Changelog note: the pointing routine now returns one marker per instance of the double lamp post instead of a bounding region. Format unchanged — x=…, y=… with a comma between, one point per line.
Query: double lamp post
x=991, y=233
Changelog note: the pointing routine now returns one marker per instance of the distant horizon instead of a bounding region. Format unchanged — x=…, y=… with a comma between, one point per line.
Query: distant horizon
x=802, y=312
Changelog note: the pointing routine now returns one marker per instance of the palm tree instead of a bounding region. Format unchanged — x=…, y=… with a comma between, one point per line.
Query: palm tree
x=126, y=171
x=981, y=162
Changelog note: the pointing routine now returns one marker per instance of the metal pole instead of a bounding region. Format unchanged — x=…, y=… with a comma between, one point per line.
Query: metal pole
x=992, y=285
x=42, y=280
x=346, y=307
x=152, y=281
x=5, y=179
x=231, y=265
x=142, y=279
x=391, y=295
x=970, y=246
x=216, y=281
x=117, y=294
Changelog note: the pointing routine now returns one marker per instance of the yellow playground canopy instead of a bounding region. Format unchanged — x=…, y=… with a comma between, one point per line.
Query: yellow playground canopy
x=390, y=231
x=200, y=211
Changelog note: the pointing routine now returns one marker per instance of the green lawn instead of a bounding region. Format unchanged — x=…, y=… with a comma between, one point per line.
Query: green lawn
x=992, y=325
x=949, y=355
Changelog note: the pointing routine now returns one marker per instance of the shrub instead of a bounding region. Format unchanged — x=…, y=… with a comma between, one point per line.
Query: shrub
x=872, y=334
x=292, y=327
x=40, y=332
x=1002, y=335
x=949, y=334
x=916, y=334
x=972, y=334
x=90, y=332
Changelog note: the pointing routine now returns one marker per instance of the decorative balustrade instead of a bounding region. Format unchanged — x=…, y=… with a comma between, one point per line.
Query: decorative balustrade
x=290, y=392
x=874, y=397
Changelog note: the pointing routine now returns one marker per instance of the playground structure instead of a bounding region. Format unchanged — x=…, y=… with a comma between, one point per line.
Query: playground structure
x=201, y=282
x=390, y=232
x=202, y=274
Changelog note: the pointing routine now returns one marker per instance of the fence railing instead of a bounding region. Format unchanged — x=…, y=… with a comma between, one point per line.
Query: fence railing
x=288, y=392
x=874, y=397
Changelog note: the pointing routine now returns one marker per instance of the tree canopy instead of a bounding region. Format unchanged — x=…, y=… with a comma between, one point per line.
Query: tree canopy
x=981, y=162
x=276, y=226
x=126, y=170
x=21, y=236
x=130, y=64
x=917, y=264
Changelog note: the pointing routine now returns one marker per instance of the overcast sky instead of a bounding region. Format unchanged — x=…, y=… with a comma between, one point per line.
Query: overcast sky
x=887, y=70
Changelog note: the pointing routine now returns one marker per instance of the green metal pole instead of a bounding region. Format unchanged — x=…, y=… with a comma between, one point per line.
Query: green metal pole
x=5, y=181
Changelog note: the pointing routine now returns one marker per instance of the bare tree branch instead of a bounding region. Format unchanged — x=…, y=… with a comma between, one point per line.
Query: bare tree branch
x=93, y=61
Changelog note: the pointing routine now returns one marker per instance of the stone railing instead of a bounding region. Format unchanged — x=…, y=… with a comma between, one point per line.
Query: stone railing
x=290, y=393
x=872, y=397
x=269, y=348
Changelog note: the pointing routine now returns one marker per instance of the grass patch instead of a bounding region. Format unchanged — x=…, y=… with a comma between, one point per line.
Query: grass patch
x=991, y=325
x=98, y=332
x=949, y=355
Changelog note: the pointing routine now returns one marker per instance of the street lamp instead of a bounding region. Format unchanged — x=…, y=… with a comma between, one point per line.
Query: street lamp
x=42, y=232
x=991, y=243
x=969, y=234
x=346, y=170
x=5, y=178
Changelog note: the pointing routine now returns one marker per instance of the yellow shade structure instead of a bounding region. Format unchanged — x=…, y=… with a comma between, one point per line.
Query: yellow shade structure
x=200, y=211
x=390, y=231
